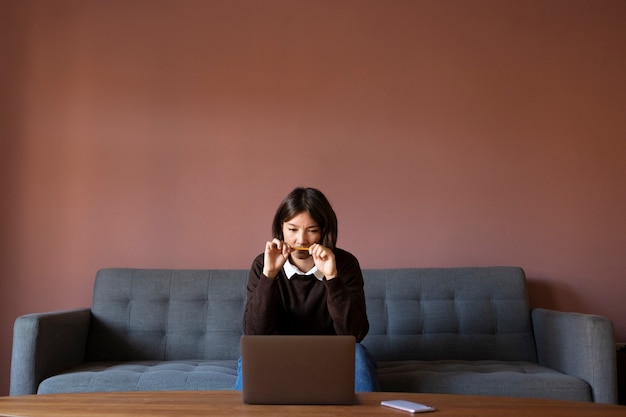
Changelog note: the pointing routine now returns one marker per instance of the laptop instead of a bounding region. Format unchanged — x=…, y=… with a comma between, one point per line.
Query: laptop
x=298, y=369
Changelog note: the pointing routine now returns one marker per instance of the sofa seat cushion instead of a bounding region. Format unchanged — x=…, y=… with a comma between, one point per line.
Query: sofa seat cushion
x=517, y=379
x=144, y=376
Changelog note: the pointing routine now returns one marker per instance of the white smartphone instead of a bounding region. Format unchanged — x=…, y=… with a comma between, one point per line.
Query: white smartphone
x=409, y=406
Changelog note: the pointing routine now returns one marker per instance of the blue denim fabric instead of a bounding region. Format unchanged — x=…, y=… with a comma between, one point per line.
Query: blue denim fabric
x=366, y=371
x=365, y=375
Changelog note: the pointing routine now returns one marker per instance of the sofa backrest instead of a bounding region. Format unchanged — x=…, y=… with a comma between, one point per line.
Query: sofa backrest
x=158, y=314
x=414, y=314
x=449, y=313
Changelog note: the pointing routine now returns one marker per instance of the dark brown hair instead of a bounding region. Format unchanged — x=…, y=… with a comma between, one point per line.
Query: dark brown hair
x=313, y=202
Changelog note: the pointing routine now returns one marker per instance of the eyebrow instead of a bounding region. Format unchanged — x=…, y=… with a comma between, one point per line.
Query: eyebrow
x=309, y=227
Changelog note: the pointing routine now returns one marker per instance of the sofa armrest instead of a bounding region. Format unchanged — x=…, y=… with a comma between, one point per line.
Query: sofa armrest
x=581, y=345
x=45, y=344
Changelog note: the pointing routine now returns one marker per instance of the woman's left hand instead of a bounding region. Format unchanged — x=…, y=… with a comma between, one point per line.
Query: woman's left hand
x=324, y=259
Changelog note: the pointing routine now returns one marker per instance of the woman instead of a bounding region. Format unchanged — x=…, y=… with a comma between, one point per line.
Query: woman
x=304, y=284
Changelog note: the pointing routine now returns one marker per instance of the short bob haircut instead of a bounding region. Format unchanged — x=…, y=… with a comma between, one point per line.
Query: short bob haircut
x=313, y=202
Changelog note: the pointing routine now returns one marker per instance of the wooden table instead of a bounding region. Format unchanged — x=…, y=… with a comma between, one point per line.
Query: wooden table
x=229, y=403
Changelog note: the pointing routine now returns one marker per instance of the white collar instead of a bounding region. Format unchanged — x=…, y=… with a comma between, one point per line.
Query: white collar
x=291, y=270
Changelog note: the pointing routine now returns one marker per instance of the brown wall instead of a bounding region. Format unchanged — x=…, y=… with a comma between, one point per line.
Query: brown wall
x=446, y=133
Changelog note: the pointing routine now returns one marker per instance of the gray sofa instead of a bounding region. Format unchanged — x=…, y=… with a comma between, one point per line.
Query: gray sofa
x=439, y=330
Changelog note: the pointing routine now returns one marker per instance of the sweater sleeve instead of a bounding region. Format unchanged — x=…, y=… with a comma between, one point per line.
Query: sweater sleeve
x=346, y=298
x=260, y=312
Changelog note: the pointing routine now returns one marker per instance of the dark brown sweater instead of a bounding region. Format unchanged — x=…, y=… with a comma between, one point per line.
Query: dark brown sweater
x=306, y=305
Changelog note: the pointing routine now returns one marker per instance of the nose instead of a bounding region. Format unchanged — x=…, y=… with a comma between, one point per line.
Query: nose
x=301, y=237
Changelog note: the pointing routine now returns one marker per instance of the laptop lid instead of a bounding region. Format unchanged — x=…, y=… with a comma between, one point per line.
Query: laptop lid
x=298, y=369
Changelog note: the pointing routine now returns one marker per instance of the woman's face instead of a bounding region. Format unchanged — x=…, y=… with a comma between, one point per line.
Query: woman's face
x=301, y=231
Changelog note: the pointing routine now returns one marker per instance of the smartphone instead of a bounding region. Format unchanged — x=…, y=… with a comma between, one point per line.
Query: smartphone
x=409, y=406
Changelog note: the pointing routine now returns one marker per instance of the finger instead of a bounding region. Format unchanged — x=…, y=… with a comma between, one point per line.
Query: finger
x=315, y=248
x=318, y=249
x=323, y=253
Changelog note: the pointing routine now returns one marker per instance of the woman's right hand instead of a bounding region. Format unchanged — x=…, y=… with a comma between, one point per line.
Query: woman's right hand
x=276, y=254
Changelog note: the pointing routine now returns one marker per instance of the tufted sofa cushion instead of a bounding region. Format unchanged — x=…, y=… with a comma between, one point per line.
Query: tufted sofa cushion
x=460, y=313
x=508, y=378
x=144, y=314
x=144, y=376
